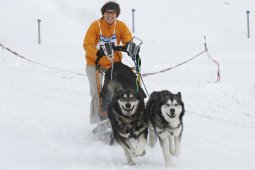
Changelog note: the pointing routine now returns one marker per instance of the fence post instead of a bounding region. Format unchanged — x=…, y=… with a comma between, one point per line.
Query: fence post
x=248, y=23
x=133, y=20
x=39, y=31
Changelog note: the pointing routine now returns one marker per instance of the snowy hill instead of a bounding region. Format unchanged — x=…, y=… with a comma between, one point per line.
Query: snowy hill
x=44, y=113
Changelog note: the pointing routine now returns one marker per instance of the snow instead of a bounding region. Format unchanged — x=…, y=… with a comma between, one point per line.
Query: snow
x=44, y=113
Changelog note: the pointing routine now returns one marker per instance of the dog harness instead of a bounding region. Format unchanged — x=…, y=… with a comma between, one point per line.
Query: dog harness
x=104, y=39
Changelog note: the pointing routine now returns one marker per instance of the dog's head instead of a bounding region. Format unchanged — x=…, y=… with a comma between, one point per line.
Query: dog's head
x=128, y=101
x=172, y=106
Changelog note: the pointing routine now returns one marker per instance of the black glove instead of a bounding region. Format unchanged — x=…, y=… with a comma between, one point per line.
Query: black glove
x=113, y=46
x=130, y=48
x=126, y=46
x=99, y=54
x=137, y=58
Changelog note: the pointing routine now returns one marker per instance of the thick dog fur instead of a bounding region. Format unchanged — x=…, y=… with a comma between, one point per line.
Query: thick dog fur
x=127, y=117
x=125, y=107
x=165, y=111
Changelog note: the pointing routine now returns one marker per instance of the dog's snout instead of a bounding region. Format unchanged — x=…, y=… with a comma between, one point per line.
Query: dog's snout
x=172, y=111
x=128, y=105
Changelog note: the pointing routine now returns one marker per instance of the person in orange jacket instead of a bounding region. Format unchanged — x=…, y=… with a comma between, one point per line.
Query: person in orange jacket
x=107, y=29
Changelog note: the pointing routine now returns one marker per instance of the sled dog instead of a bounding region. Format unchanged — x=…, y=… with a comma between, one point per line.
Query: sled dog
x=165, y=111
x=128, y=120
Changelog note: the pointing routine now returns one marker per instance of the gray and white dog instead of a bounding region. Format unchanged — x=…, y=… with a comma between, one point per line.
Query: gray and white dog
x=128, y=119
x=165, y=111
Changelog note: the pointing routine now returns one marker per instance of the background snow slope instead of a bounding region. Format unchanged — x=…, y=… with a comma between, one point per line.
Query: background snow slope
x=44, y=113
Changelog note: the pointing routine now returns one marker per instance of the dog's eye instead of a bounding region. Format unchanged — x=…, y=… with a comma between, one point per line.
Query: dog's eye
x=167, y=105
x=123, y=98
x=133, y=99
x=176, y=105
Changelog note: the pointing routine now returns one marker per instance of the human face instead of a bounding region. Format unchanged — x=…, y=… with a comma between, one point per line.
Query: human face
x=110, y=16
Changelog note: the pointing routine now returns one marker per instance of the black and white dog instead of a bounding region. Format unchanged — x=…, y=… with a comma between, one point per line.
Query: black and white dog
x=126, y=110
x=128, y=120
x=165, y=111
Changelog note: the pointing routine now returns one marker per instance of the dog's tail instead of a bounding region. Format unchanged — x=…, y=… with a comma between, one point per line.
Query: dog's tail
x=152, y=136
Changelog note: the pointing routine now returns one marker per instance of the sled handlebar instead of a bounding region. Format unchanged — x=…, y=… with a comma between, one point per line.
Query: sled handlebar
x=120, y=48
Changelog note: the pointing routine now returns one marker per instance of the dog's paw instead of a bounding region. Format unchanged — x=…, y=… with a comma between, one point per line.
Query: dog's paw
x=143, y=153
x=176, y=153
x=139, y=151
x=171, y=150
x=171, y=162
x=132, y=153
x=131, y=163
x=168, y=164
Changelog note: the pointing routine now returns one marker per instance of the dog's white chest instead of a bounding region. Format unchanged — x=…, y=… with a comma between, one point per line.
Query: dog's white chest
x=177, y=131
x=174, y=122
x=131, y=132
x=170, y=131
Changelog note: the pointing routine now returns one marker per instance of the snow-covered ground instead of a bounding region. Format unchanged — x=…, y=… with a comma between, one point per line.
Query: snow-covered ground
x=44, y=113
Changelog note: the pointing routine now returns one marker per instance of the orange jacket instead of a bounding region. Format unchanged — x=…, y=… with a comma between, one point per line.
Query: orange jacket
x=92, y=37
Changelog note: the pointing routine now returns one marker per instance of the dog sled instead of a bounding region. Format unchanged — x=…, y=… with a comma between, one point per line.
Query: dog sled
x=128, y=77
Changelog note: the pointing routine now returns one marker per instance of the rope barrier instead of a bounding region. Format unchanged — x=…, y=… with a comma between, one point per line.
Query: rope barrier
x=43, y=65
x=218, y=67
x=142, y=75
x=205, y=51
x=167, y=69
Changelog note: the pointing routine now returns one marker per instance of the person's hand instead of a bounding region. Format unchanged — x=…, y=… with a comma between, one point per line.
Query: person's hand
x=99, y=54
x=137, y=58
x=127, y=46
x=113, y=46
x=130, y=48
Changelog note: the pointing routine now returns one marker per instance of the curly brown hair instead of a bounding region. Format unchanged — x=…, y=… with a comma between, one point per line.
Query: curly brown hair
x=111, y=5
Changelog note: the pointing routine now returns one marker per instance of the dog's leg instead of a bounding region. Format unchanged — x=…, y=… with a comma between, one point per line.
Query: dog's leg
x=129, y=152
x=165, y=149
x=139, y=151
x=152, y=140
x=177, y=141
x=171, y=144
x=152, y=136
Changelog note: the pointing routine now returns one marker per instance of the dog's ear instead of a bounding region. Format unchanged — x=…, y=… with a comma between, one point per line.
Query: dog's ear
x=155, y=95
x=164, y=94
x=179, y=94
x=114, y=87
x=118, y=89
